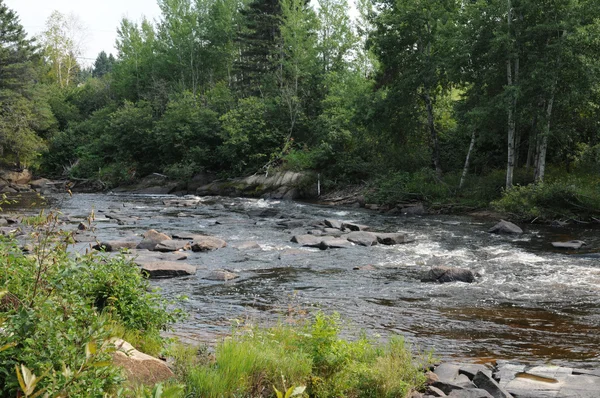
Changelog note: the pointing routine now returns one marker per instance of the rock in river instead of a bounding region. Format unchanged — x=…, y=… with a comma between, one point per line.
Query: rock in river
x=392, y=238
x=572, y=244
x=362, y=238
x=443, y=274
x=151, y=239
x=505, y=227
x=166, y=269
x=221, y=275
x=203, y=243
x=172, y=245
x=115, y=245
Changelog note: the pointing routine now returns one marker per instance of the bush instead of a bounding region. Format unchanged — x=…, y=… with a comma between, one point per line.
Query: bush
x=57, y=314
x=566, y=198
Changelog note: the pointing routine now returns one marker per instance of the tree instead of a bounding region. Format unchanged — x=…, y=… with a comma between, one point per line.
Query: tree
x=410, y=44
x=63, y=42
x=103, y=64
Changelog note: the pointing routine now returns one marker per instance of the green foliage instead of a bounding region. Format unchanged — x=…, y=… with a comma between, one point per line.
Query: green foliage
x=58, y=313
x=559, y=199
x=254, y=361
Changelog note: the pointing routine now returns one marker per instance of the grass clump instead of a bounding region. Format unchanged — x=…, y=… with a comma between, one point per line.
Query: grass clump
x=251, y=363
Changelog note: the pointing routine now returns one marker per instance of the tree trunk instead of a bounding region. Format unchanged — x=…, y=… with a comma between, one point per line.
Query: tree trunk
x=512, y=106
x=541, y=165
x=466, y=168
x=435, y=145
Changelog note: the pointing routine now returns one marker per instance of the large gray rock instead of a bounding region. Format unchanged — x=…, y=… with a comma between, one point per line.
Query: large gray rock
x=442, y=274
x=172, y=245
x=279, y=185
x=333, y=232
x=166, y=269
x=203, y=243
x=572, y=244
x=393, y=238
x=505, y=227
x=362, y=238
x=151, y=239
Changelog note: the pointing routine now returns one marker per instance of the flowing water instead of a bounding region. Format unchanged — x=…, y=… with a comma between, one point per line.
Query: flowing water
x=529, y=303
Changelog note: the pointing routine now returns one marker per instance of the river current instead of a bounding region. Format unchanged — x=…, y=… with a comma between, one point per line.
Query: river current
x=529, y=302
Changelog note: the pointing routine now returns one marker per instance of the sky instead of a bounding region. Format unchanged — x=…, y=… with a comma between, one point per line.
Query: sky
x=101, y=18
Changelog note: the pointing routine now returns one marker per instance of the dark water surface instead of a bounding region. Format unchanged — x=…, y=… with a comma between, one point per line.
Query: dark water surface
x=530, y=302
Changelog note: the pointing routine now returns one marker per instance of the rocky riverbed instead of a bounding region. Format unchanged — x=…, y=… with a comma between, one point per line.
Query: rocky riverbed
x=260, y=261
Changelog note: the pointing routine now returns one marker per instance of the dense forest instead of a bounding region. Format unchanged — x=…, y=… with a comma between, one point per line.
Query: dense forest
x=438, y=100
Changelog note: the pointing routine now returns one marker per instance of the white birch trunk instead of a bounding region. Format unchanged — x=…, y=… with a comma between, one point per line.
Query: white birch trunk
x=466, y=168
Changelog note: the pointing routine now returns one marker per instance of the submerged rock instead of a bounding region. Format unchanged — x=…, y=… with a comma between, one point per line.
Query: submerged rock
x=221, y=275
x=443, y=274
x=505, y=227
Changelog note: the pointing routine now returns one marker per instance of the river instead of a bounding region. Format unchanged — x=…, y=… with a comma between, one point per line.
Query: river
x=529, y=303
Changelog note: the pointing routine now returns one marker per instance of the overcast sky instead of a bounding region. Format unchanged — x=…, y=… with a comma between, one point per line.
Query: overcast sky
x=101, y=17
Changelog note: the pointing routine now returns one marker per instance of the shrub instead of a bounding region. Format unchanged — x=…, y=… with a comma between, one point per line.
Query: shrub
x=57, y=314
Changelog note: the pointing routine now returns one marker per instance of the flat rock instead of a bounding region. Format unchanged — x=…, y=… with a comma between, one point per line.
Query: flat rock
x=221, y=275
x=166, y=269
x=334, y=243
x=505, y=227
x=572, y=244
x=392, y=238
x=151, y=239
x=307, y=240
x=172, y=245
x=435, y=392
x=114, y=245
x=181, y=202
x=140, y=367
x=444, y=274
x=333, y=232
x=362, y=238
x=147, y=256
x=203, y=243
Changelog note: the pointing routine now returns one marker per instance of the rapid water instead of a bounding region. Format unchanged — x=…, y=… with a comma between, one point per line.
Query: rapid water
x=529, y=303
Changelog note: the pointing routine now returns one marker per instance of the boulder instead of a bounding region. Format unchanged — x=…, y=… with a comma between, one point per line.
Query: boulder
x=172, y=245
x=443, y=274
x=435, y=392
x=392, y=238
x=40, y=183
x=166, y=269
x=333, y=232
x=140, y=367
x=572, y=244
x=505, y=227
x=115, y=245
x=416, y=209
x=362, y=238
x=16, y=177
x=221, y=275
x=203, y=243
x=8, y=189
x=151, y=239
